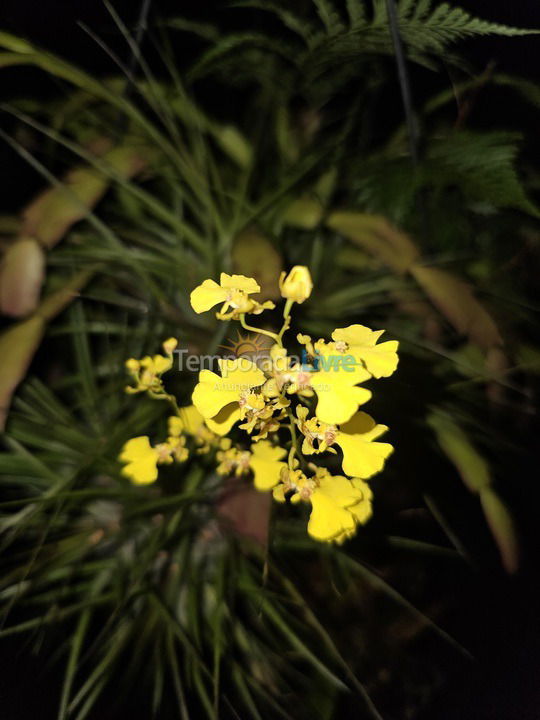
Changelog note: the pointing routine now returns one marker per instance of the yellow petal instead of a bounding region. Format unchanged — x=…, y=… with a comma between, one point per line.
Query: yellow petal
x=142, y=461
x=141, y=473
x=239, y=282
x=209, y=395
x=328, y=520
x=136, y=448
x=362, y=510
x=357, y=335
x=363, y=487
x=222, y=423
x=380, y=360
x=206, y=295
x=337, y=401
x=340, y=489
x=362, y=457
x=161, y=364
x=192, y=419
x=266, y=465
x=213, y=392
x=241, y=374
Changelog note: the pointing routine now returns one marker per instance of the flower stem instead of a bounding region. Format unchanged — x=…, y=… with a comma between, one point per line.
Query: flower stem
x=294, y=441
x=256, y=330
x=286, y=320
x=166, y=396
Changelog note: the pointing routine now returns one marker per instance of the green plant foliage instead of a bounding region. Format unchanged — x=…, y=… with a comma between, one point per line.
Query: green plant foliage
x=333, y=38
x=146, y=593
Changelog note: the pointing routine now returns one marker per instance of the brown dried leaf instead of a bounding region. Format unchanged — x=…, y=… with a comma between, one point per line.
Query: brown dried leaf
x=454, y=298
x=378, y=236
x=55, y=210
x=245, y=511
x=254, y=255
x=21, y=276
x=502, y=528
x=303, y=213
x=19, y=343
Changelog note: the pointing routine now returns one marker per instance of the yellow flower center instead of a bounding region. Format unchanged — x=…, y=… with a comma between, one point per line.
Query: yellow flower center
x=164, y=452
x=330, y=434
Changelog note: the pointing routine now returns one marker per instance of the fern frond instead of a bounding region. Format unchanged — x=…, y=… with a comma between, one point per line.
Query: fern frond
x=298, y=25
x=203, y=30
x=483, y=166
x=425, y=28
x=445, y=25
x=232, y=43
x=480, y=165
x=356, y=12
x=329, y=17
x=427, y=32
x=419, y=8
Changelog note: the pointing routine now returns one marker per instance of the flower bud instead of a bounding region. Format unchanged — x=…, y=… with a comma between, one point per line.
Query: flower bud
x=170, y=345
x=132, y=365
x=297, y=285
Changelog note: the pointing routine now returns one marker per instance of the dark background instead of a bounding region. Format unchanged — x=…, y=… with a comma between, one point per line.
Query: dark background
x=57, y=25
x=501, y=623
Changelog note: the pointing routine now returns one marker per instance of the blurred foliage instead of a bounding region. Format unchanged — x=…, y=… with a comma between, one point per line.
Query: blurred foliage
x=150, y=189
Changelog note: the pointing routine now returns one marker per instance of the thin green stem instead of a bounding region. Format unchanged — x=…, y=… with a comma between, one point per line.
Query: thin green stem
x=168, y=397
x=286, y=321
x=294, y=441
x=292, y=453
x=243, y=323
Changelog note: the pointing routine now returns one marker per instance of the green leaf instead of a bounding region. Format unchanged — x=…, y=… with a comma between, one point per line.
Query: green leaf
x=472, y=467
x=503, y=528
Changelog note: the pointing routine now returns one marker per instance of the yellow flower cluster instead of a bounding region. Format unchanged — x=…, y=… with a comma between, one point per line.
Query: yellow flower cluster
x=290, y=411
x=146, y=372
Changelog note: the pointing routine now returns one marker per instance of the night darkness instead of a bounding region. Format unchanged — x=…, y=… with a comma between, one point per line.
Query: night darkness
x=501, y=625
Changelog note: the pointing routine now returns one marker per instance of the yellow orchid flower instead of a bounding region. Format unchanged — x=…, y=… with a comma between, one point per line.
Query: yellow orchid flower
x=232, y=461
x=338, y=503
x=380, y=360
x=318, y=436
x=147, y=372
x=252, y=306
x=218, y=398
x=173, y=450
x=232, y=292
x=334, y=381
x=209, y=293
x=285, y=375
x=362, y=457
x=262, y=396
x=325, y=525
x=297, y=285
x=330, y=517
x=266, y=464
x=141, y=459
x=191, y=421
x=257, y=412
